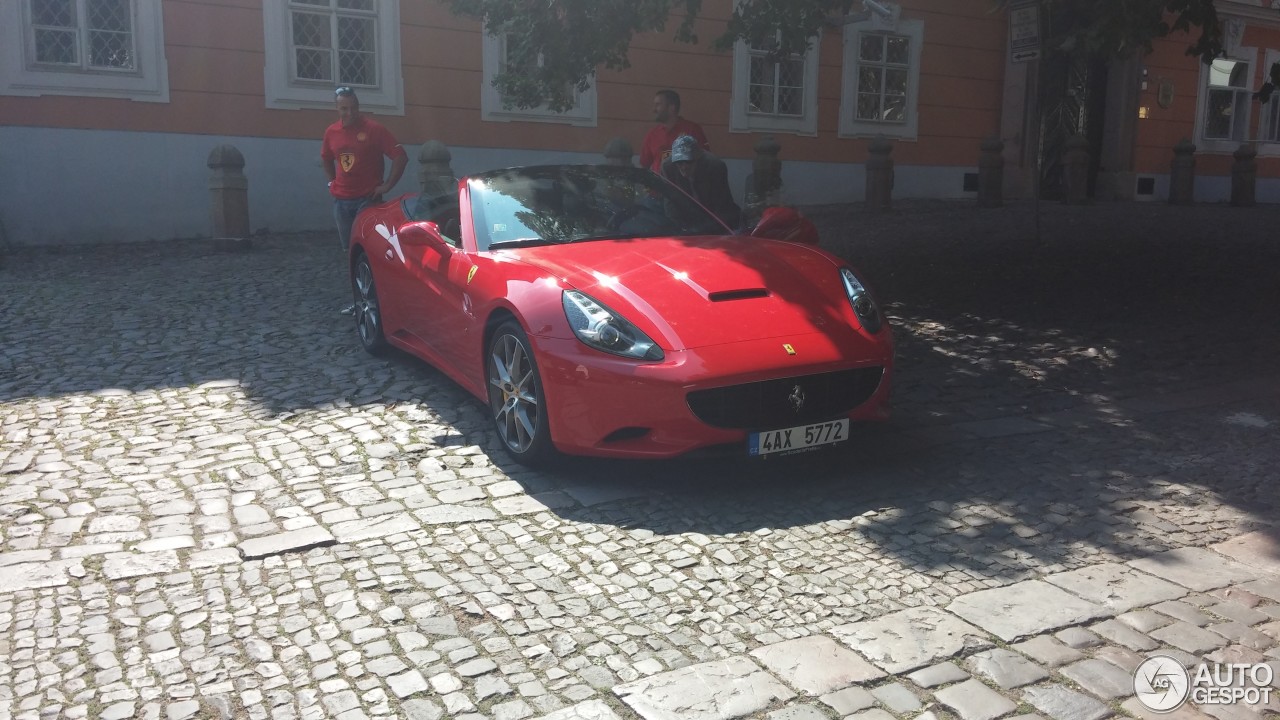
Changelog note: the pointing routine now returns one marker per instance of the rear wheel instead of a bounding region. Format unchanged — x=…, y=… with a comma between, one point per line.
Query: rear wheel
x=515, y=396
x=368, y=312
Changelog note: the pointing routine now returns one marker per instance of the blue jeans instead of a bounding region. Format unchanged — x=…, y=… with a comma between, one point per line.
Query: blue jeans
x=344, y=215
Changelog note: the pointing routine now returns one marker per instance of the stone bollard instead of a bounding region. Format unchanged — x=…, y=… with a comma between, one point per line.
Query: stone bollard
x=618, y=152
x=1182, y=174
x=435, y=174
x=1075, y=171
x=766, y=171
x=879, y=195
x=991, y=173
x=1244, y=176
x=229, y=198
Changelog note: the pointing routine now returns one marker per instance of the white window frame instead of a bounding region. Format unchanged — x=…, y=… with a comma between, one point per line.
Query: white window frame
x=850, y=125
x=494, y=50
x=283, y=92
x=148, y=81
x=740, y=117
x=1215, y=145
x=1270, y=115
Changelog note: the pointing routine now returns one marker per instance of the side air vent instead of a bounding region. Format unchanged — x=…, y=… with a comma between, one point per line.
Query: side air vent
x=727, y=295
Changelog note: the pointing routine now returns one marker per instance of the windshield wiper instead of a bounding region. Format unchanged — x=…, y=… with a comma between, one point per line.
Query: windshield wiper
x=608, y=236
x=519, y=242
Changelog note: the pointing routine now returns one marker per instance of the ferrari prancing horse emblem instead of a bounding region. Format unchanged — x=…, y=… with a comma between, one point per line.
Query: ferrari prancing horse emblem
x=348, y=161
x=797, y=398
x=790, y=350
x=471, y=273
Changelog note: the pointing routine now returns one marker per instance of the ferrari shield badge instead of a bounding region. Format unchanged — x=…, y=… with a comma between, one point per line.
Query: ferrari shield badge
x=471, y=273
x=790, y=350
x=348, y=161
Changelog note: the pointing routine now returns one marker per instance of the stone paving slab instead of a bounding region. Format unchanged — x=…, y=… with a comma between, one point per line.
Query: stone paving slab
x=1195, y=568
x=718, y=690
x=1259, y=549
x=815, y=665
x=1024, y=609
x=35, y=575
x=1116, y=587
x=911, y=639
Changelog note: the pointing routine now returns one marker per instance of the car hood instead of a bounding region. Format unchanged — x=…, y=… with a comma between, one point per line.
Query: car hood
x=699, y=291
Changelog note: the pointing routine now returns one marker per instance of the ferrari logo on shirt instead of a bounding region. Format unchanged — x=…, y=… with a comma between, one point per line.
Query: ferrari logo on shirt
x=362, y=137
x=790, y=350
x=347, y=160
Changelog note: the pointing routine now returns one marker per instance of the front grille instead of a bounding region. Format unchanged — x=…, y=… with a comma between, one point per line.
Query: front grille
x=776, y=403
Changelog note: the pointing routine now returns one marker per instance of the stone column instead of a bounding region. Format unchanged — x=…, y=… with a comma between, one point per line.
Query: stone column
x=435, y=174
x=879, y=175
x=1182, y=174
x=229, y=198
x=618, y=152
x=766, y=171
x=991, y=173
x=1244, y=176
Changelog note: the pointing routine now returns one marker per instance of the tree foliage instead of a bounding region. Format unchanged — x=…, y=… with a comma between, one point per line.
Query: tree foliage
x=553, y=47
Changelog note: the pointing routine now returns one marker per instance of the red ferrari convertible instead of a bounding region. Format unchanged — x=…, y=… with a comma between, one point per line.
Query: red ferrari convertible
x=599, y=310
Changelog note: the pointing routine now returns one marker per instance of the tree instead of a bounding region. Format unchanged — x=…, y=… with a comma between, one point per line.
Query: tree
x=554, y=46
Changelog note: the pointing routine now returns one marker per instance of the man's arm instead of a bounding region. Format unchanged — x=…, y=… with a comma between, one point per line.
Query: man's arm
x=398, y=164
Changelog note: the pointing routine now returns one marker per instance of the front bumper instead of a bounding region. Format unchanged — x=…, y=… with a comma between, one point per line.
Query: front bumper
x=609, y=406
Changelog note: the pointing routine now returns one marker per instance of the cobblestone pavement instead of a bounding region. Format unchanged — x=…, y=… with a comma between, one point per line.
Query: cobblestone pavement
x=214, y=505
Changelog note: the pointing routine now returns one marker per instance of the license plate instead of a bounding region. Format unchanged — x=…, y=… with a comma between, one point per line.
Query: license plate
x=800, y=437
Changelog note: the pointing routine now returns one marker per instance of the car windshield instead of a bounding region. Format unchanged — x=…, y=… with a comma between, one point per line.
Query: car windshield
x=552, y=205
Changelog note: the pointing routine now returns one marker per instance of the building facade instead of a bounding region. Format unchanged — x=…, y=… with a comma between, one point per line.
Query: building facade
x=114, y=105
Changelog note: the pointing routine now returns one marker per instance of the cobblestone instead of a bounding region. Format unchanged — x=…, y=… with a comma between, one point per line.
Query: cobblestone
x=212, y=504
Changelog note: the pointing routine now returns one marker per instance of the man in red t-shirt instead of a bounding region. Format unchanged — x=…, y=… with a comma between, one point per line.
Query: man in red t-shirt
x=657, y=143
x=352, y=154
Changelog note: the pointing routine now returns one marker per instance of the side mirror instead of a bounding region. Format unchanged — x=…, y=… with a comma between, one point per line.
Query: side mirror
x=425, y=233
x=784, y=223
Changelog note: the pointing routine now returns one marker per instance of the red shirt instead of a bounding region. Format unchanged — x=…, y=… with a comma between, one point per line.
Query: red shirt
x=657, y=143
x=358, y=152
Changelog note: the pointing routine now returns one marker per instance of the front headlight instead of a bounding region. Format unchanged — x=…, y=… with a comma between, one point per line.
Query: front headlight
x=863, y=305
x=603, y=329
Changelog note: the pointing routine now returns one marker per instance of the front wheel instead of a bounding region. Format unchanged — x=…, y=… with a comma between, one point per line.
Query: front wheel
x=368, y=312
x=515, y=396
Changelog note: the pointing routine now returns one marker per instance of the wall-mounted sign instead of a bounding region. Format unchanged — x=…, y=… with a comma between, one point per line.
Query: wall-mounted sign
x=1024, y=32
x=1164, y=92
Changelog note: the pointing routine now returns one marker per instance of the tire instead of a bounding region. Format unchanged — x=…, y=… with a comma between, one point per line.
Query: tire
x=368, y=313
x=516, y=401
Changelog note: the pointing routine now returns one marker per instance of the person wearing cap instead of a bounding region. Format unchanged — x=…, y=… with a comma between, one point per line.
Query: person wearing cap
x=656, y=147
x=704, y=177
x=352, y=155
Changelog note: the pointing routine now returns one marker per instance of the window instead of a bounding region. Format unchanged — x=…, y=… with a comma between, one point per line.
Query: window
x=1223, y=105
x=1226, y=112
x=103, y=48
x=314, y=45
x=84, y=35
x=774, y=93
x=880, y=89
x=496, y=59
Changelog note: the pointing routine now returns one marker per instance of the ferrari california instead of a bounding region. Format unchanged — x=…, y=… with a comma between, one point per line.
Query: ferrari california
x=599, y=310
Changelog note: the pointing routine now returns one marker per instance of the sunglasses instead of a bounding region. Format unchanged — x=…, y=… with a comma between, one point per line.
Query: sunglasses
x=344, y=90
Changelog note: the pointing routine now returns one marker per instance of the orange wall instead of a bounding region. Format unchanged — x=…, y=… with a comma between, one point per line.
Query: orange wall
x=215, y=57
x=1166, y=127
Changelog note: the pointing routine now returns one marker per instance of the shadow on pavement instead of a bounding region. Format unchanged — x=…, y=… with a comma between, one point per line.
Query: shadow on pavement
x=1115, y=302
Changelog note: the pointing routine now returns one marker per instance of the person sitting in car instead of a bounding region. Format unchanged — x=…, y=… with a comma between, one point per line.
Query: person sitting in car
x=704, y=177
